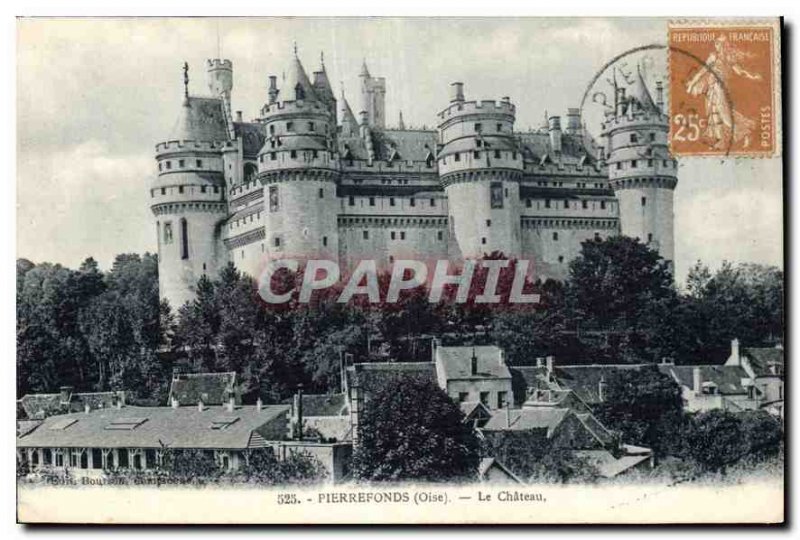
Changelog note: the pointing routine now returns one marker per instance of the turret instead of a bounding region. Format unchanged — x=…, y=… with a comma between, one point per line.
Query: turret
x=641, y=171
x=298, y=167
x=187, y=197
x=322, y=87
x=220, y=77
x=373, y=97
x=480, y=168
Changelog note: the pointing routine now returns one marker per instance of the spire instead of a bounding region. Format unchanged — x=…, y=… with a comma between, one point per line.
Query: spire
x=400, y=123
x=349, y=124
x=186, y=83
x=364, y=70
x=297, y=86
x=641, y=94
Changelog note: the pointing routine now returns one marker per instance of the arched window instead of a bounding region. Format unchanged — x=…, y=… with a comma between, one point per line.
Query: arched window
x=299, y=92
x=250, y=171
x=184, y=239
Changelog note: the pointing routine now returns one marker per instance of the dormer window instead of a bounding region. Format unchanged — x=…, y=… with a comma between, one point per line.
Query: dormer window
x=299, y=92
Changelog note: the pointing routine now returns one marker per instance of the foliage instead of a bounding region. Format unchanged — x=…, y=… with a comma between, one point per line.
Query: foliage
x=411, y=430
x=299, y=468
x=644, y=406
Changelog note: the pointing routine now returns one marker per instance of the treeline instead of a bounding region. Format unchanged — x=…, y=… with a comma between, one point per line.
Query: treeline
x=107, y=330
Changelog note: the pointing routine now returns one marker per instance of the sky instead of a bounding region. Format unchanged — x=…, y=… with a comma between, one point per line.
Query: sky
x=94, y=96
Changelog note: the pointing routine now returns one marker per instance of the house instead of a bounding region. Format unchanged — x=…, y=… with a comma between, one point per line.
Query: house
x=477, y=373
x=707, y=387
x=492, y=471
x=39, y=406
x=765, y=367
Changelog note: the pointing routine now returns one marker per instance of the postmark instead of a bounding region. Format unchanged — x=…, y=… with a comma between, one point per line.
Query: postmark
x=724, y=89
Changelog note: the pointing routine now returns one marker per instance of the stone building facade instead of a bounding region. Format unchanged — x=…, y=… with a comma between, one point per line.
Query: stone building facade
x=309, y=179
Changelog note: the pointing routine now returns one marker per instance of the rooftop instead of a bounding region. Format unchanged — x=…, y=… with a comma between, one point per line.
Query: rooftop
x=456, y=362
x=211, y=388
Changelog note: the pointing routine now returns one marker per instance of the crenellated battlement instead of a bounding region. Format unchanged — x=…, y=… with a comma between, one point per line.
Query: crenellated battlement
x=636, y=120
x=189, y=146
x=485, y=106
x=219, y=63
x=299, y=106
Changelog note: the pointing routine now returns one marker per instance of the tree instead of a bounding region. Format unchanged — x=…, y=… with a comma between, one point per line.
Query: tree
x=717, y=440
x=644, y=406
x=411, y=430
x=299, y=467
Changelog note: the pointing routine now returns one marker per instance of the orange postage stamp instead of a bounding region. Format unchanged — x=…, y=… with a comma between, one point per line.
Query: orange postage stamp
x=724, y=89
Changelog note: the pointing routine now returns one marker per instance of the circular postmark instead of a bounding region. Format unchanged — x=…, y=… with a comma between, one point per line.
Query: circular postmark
x=700, y=122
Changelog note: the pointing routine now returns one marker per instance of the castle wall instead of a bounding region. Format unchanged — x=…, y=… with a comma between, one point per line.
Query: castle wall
x=647, y=213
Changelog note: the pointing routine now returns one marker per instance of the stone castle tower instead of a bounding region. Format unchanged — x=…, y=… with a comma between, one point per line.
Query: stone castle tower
x=296, y=182
x=642, y=173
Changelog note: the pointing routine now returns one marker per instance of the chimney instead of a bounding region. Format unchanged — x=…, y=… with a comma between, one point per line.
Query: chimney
x=474, y=362
x=201, y=406
x=573, y=121
x=667, y=361
x=120, y=400
x=238, y=116
x=549, y=361
x=273, y=89
x=601, y=153
x=540, y=361
x=231, y=401
x=173, y=401
x=259, y=404
x=697, y=380
x=456, y=92
x=554, y=127
x=601, y=389
x=506, y=99
x=502, y=357
x=735, y=359
x=65, y=394
x=86, y=407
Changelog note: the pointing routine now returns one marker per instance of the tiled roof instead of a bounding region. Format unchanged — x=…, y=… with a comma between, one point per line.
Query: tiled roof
x=252, y=136
x=410, y=145
x=42, y=405
x=456, y=362
x=201, y=119
x=609, y=466
x=211, y=388
x=762, y=359
x=180, y=427
x=527, y=419
x=537, y=144
x=727, y=378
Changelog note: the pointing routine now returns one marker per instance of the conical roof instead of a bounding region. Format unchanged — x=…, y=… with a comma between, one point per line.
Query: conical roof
x=321, y=83
x=347, y=113
x=364, y=70
x=200, y=119
x=296, y=77
x=639, y=92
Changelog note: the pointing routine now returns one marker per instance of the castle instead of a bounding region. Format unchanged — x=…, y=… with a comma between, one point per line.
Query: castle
x=301, y=181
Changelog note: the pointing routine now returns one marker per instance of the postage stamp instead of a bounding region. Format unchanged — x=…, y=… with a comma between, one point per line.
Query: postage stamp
x=724, y=89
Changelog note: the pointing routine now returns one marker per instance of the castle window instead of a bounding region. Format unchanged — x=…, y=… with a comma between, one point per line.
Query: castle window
x=440, y=235
x=547, y=203
x=199, y=163
x=649, y=162
x=311, y=126
x=250, y=171
x=163, y=191
x=159, y=166
x=372, y=201
x=457, y=156
x=652, y=137
x=499, y=127
x=555, y=236
x=391, y=235
x=412, y=201
x=169, y=165
x=566, y=204
x=514, y=156
x=350, y=162
x=483, y=240
x=649, y=237
x=158, y=231
x=477, y=154
x=180, y=189
x=478, y=143
x=293, y=154
x=391, y=201
x=478, y=128
x=634, y=138
x=276, y=241
x=216, y=189
x=365, y=235
x=202, y=189
x=321, y=193
x=314, y=154
x=289, y=126
x=272, y=129
x=666, y=163
x=597, y=237
x=527, y=203
x=584, y=204
x=619, y=165
x=402, y=235
x=603, y=205
x=181, y=163
x=325, y=241
x=273, y=156
x=429, y=161
x=644, y=201
x=299, y=92
x=497, y=154
x=561, y=258
x=274, y=203
x=634, y=163
x=433, y=202
x=184, y=239
x=351, y=201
